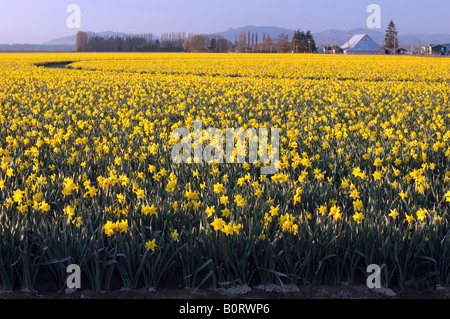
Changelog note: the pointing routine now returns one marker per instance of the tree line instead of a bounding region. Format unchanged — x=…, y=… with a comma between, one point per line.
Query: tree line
x=245, y=41
x=168, y=42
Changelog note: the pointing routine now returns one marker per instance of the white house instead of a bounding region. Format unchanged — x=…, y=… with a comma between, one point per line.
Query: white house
x=361, y=44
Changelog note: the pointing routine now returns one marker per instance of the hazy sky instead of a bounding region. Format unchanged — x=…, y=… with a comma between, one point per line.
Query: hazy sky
x=37, y=21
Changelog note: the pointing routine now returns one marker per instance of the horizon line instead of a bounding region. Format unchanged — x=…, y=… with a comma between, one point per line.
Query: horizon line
x=229, y=29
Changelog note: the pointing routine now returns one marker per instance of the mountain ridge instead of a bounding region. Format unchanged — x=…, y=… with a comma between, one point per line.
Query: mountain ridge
x=339, y=37
x=330, y=37
x=72, y=39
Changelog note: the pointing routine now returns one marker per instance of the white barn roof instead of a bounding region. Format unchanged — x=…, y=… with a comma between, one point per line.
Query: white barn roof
x=361, y=43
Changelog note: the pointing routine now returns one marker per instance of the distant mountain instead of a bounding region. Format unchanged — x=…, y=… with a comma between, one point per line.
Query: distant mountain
x=25, y=47
x=424, y=38
x=69, y=40
x=341, y=36
x=334, y=36
x=72, y=39
x=231, y=33
x=331, y=36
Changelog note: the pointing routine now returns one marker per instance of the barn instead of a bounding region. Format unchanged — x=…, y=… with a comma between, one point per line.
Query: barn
x=361, y=44
x=436, y=49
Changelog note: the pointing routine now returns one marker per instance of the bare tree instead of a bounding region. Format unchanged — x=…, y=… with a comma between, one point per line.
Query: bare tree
x=282, y=43
x=266, y=45
x=242, y=45
x=223, y=45
x=196, y=43
x=82, y=39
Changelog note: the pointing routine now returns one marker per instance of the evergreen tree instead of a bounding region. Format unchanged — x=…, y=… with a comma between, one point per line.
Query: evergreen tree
x=296, y=41
x=303, y=42
x=391, y=40
x=310, y=42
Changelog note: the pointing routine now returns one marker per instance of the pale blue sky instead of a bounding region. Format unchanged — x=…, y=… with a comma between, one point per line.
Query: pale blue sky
x=37, y=21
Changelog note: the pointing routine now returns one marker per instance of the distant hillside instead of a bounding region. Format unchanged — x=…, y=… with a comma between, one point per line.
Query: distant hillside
x=331, y=36
x=72, y=39
x=25, y=47
x=339, y=37
x=69, y=40
x=424, y=38
x=268, y=30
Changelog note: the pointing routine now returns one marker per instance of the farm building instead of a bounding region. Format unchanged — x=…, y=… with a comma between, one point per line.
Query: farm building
x=396, y=51
x=361, y=44
x=334, y=49
x=436, y=49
